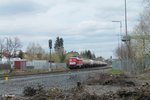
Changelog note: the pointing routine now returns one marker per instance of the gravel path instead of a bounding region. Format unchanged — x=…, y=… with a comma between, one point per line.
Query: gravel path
x=63, y=81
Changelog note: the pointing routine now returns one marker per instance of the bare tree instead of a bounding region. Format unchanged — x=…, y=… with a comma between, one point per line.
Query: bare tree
x=121, y=52
x=35, y=51
x=147, y=2
x=16, y=44
x=10, y=46
x=140, y=40
x=1, y=47
x=139, y=46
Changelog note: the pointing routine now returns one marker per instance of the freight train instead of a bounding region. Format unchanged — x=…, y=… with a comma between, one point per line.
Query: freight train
x=76, y=62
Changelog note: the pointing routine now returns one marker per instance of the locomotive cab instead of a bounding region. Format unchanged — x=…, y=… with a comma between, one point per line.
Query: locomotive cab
x=74, y=62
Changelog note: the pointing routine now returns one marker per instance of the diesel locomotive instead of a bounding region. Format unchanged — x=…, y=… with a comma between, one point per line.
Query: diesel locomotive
x=77, y=62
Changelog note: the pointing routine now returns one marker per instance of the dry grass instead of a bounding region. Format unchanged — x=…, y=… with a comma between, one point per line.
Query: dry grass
x=35, y=71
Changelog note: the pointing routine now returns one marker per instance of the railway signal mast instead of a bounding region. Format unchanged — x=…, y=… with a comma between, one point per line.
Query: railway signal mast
x=50, y=47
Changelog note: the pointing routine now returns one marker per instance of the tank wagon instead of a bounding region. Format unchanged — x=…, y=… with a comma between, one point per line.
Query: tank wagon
x=76, y=62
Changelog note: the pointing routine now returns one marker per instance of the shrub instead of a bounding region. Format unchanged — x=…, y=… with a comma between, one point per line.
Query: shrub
x=31, y=90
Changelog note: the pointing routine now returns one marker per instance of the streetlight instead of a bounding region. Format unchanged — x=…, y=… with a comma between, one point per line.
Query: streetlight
x=120, y=25
x=120, y=22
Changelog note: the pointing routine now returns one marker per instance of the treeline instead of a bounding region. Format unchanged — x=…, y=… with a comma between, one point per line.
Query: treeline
x=34, y=51
x=11, y=47
x=87, y=54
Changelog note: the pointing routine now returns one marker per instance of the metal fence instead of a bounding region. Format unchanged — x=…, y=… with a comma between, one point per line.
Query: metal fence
x=43, y=64
x=38, y=64
x=5, y=66
x=147, y=61
x=131, y=65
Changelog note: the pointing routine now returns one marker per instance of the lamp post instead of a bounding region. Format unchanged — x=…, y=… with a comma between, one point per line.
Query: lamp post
x=50, y=47
x=120, y=22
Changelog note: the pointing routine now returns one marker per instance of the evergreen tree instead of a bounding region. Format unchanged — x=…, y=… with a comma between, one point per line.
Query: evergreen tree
x=87, y=54
x=59, y=49
x=57, y=43
x=21, y=54
x=61, y=42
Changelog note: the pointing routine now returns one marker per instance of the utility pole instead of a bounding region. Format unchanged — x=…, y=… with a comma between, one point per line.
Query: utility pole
x=126, y=28
x=127, y=38
x=50, y=47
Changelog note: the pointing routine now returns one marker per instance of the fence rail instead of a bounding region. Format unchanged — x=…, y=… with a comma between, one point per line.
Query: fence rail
x=45, y=65
x=133, y=66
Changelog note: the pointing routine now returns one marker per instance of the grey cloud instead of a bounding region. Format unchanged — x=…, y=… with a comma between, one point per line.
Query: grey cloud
x=19, y=7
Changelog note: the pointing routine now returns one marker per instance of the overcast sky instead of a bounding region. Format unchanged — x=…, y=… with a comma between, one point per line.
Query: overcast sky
x=83, y=24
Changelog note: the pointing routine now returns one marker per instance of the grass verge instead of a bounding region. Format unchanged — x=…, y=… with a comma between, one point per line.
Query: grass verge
x=116, y=72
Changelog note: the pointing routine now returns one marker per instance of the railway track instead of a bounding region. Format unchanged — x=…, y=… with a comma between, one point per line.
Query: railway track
x=60, y=72
x=91, y=69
